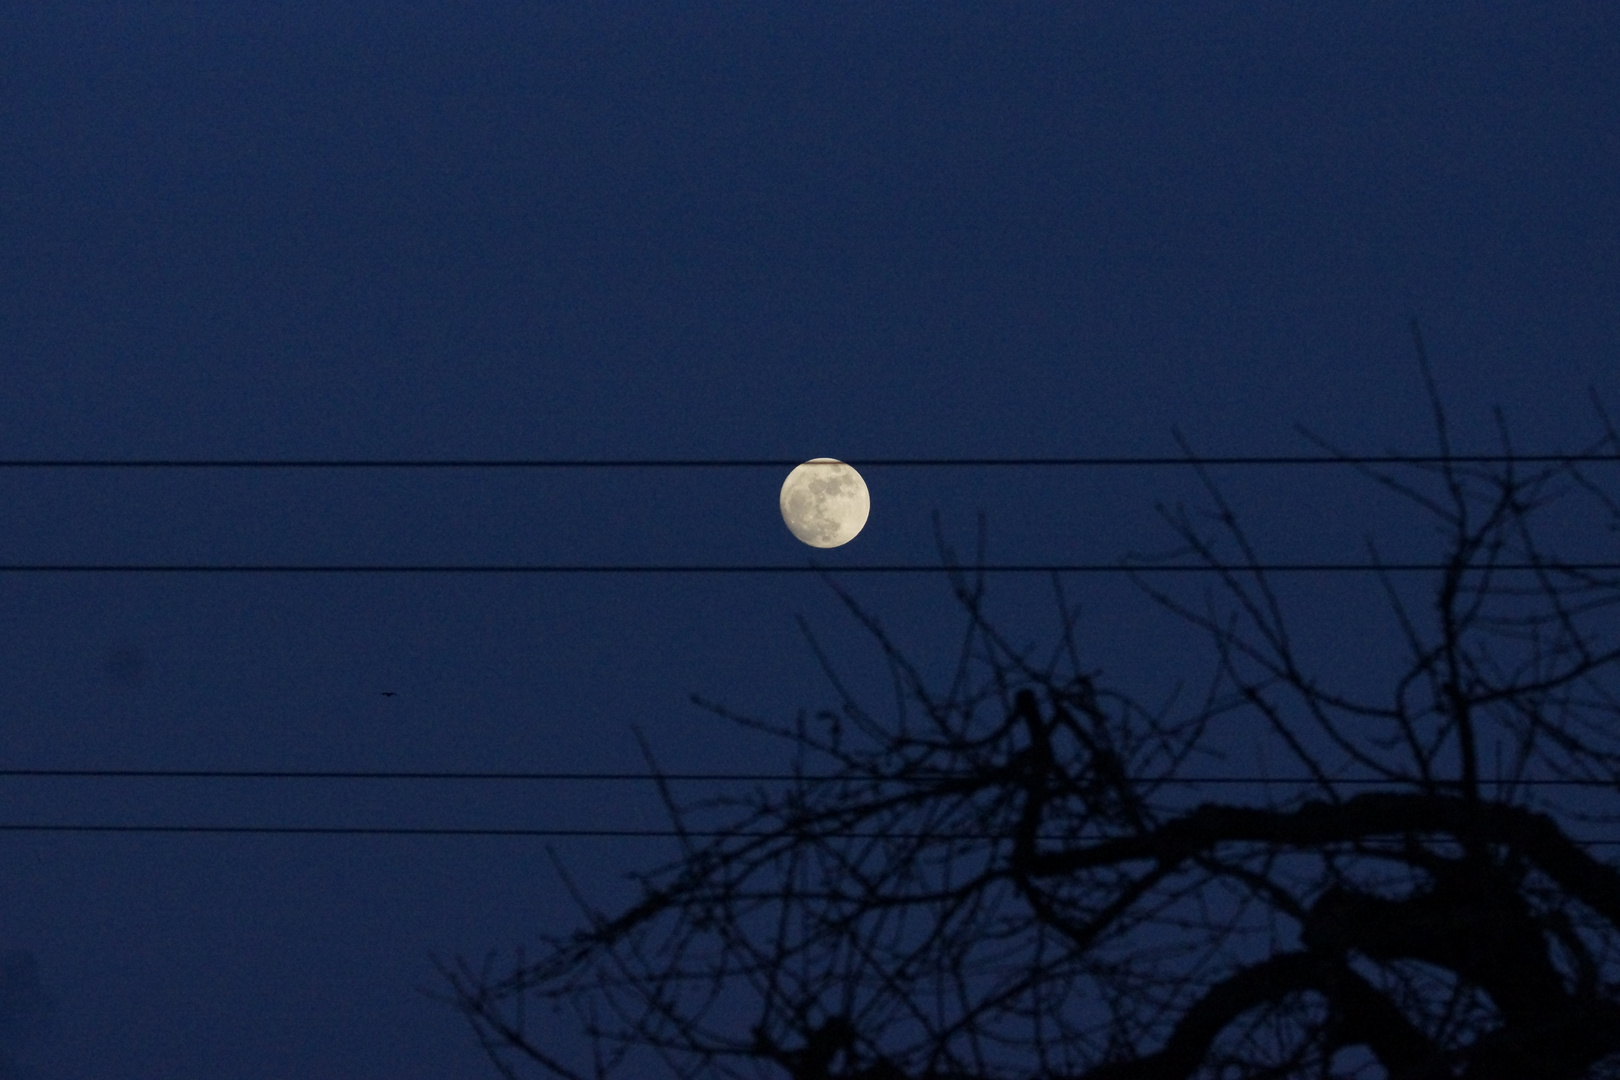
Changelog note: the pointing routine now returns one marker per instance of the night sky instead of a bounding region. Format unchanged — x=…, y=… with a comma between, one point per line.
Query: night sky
x=605, y=231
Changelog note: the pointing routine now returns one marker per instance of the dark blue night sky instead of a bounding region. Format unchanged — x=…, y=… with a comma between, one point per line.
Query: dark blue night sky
x=536, y=230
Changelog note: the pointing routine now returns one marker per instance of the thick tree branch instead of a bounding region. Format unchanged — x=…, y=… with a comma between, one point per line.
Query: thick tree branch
x=1365, y=1017
x=1533, y=835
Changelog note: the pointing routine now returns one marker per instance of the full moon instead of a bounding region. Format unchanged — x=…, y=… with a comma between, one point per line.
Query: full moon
x=825, y=502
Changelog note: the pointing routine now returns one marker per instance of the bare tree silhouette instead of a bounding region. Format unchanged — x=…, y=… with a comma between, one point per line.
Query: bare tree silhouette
x=1018, y=876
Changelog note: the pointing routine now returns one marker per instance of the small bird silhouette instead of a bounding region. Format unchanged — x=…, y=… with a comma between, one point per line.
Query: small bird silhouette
x=387, y=693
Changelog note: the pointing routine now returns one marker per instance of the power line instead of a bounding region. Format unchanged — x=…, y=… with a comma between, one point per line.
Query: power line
x=358, y=830
x=360, y=774
x=704, y=777
x=440, y=831
x=788, y=463
x=787, y=568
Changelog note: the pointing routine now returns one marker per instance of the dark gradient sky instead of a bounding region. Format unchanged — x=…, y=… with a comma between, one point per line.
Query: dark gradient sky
x=678, y=230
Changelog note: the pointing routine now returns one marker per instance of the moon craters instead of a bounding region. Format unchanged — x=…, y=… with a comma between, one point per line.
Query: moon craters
x=825, y=502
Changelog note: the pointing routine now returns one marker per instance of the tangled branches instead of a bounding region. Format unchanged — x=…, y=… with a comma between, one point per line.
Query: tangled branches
x=1017, y=876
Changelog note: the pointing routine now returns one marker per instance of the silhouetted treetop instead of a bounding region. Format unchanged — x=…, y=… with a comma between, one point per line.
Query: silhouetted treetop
x=1023, y=874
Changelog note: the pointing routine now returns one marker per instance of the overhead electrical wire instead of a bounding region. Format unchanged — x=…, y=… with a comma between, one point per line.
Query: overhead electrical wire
x=796, y=568
x=475, y=831
x=1141, y=461
x=735, y=568
x=652, y=777
x=587, y=832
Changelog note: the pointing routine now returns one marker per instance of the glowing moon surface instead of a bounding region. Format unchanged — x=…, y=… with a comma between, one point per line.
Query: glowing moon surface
x=825, y=502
